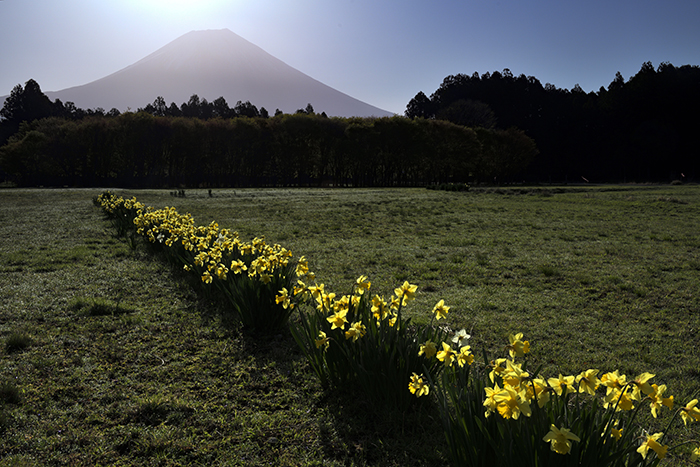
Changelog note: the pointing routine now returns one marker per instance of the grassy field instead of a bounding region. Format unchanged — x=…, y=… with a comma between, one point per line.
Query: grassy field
x=108, y=357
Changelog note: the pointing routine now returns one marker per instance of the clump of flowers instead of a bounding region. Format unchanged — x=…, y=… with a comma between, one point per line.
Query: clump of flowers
x=362, y=340
x=121, y=212
x=588, y=419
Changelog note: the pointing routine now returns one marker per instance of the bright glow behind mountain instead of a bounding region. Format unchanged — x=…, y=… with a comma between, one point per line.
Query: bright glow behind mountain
x=212, y=64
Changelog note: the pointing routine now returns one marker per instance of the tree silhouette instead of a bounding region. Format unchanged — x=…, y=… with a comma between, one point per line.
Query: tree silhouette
x=246, y=109
x=420, y=107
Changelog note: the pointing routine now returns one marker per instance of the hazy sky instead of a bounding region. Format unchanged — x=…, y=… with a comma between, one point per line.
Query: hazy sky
x=379, y=51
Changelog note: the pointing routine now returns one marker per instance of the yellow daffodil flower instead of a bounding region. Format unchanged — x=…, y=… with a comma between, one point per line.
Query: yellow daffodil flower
x=266, y=278
x=207, y=278
x=619, y=398
x=417, y=386
x=325, y=301
x=406, y=292
x=496, y=368
x=300, y=288
x=363, y=284
x=322, y=340
x=562, y=385
x=446, y=355
x=613, y=381
x=428, y=349
x=690, y=412
x=302, y=266
x=284, y=299
x=490, y=401
x=561, y=439
x=440, y=310
x=511, y=403
x=355, y=331
x=517, y=347
x=342, y=304
x=652, y=442
x=238, y=267
x=616, y=433
x=465, y=356
x=221, y=271
x=316, y=291
x=513, y=375
x=657, y=399
x=379, y=308
x=338, y=319
x=394, y=304
x=641, y=385
x=543, y=391
x=588, y=381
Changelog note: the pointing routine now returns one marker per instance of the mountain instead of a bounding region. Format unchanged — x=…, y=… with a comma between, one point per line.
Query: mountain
x=212, y=64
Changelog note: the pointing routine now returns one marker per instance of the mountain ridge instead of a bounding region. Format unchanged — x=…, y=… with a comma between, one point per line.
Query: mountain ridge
x=212, y=64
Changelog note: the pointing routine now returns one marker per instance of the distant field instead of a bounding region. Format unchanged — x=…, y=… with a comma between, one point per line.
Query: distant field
x=596, y=277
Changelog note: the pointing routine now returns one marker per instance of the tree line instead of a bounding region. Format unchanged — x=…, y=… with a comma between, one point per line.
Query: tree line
x=139, y=149
x=642, y=129
x=475, y=128
x=29, y=103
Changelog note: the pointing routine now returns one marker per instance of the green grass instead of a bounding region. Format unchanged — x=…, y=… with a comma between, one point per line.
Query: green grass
x=127, y=366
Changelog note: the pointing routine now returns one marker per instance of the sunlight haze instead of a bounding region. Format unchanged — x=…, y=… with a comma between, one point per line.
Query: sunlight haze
x=380, y=52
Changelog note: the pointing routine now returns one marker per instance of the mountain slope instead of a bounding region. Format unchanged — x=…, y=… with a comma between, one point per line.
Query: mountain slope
x=211, y=64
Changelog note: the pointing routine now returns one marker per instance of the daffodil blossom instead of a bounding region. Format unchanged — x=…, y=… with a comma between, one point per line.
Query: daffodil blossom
x=379, y=308
x=363, y=284
x=440, y=310
x=511, y=403
x=657, y=399
x=465, y=356
x=561, y=439
x=652, y=442
x=461, y=337
x=406, y=292
x=338, y=319
x=322, y=340
x=490, y=401
x=446, y=355
x=588, y=381
x=563, y=385
x=517, y=347
x=355, y=331
x=417, y=386
x=428, y=349
x=690, y=412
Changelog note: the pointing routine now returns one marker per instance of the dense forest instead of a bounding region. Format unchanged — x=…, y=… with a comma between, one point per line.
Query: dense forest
x=643, y=129
x=493, y=128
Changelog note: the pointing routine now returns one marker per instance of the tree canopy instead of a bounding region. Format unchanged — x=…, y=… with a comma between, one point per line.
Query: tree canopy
x=642, y=129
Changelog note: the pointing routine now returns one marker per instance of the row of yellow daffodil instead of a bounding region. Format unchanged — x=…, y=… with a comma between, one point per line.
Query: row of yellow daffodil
x=370, y=337
x=249, y=274
x=510, y=391
x=366, y=331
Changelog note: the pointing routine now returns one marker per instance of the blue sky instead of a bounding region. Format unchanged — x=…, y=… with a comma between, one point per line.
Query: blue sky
x=379, y=51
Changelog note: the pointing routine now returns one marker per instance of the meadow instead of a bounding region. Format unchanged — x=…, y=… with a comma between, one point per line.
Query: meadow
x=109, y=357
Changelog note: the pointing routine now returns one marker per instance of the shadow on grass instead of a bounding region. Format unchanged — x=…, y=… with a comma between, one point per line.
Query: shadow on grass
x=355, y=429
